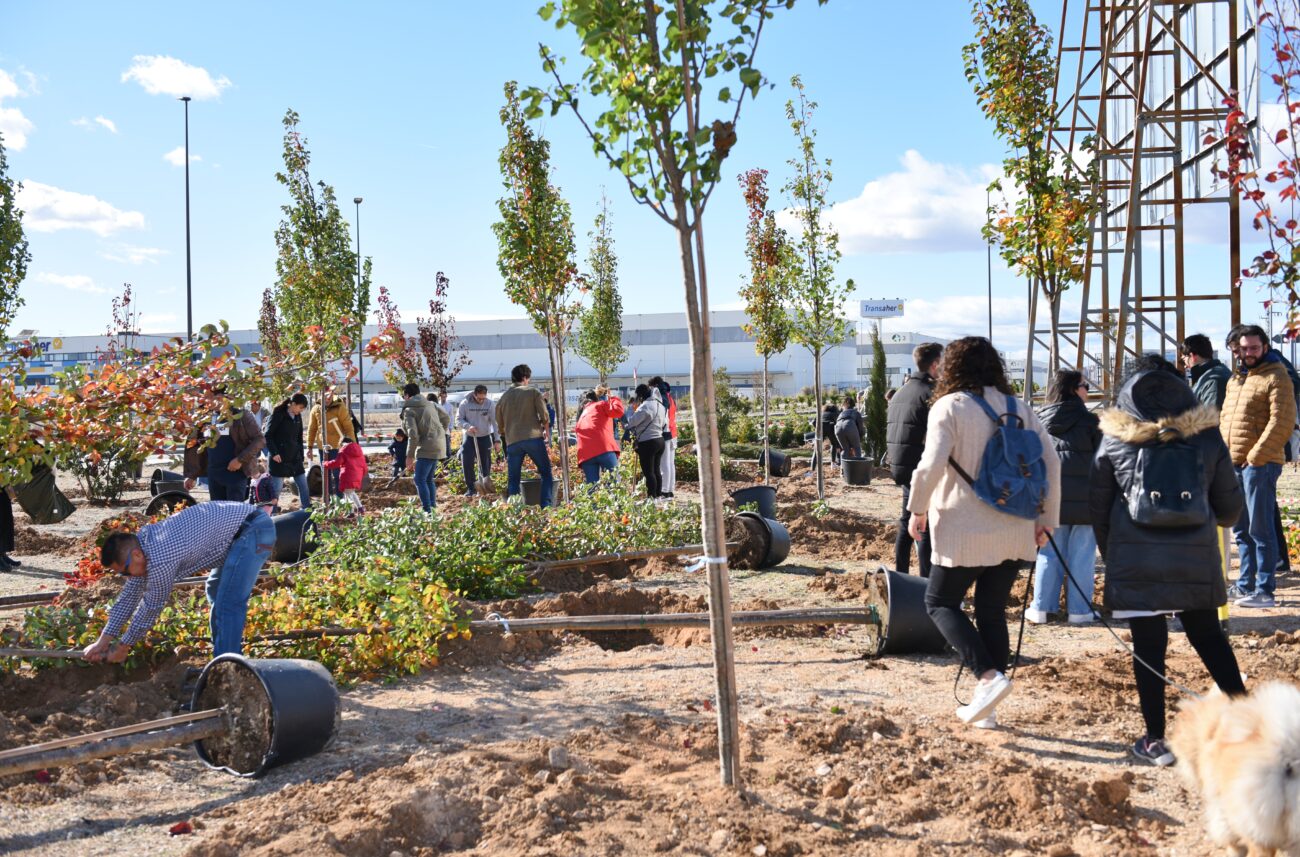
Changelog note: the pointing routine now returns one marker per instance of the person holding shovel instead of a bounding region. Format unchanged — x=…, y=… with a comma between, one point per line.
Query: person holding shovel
x=230, y=541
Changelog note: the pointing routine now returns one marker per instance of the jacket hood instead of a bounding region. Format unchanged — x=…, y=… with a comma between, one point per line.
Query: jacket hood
x=1060, y=417
x=1125, y=427
x=1151, y=395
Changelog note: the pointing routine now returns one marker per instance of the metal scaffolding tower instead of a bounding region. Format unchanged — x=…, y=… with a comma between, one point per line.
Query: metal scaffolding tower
x=1146, y=80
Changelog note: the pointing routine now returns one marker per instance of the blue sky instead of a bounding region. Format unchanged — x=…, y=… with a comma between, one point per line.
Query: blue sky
x=399, y=102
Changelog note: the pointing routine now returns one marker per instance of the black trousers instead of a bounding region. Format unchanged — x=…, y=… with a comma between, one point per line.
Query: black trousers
x=903, y=544
x=6, y=522
x=986, y=644
x=472, y=448
x=234, y=490
x=1151, y=639
x=650, y=453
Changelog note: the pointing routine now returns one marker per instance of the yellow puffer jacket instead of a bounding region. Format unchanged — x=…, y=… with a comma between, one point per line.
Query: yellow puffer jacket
x=1258, y=415
x=338, y=426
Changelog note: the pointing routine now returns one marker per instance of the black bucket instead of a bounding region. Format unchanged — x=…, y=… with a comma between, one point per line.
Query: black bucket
x=780, y=465
x=908, y=627
x=776, y=544
x=856, y=471
x=532, y=491
x=304, y=705
x=168, y=499
x=165, y=480
x=295, y=536
x=763, y=495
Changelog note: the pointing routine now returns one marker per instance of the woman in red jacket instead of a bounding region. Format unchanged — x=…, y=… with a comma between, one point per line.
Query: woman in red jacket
x=597, y=448
x=352, y=471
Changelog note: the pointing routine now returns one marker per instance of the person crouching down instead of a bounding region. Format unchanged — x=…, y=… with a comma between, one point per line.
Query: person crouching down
x=352, y=468
x=234, y=540
x=975, y=543
x=1163, y=483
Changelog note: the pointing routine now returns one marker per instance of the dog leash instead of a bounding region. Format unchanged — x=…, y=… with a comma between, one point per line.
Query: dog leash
x=1118, y=639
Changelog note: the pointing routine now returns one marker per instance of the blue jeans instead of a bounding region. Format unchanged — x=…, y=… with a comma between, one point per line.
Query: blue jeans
x=1078, y=545
x=535, y=449
x=304, y=496
x=1256, y=538
x=592, y=467
x=228, y=587
x=425, y=470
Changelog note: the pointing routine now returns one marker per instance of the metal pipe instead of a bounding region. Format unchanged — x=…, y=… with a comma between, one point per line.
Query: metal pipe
x=185, y=733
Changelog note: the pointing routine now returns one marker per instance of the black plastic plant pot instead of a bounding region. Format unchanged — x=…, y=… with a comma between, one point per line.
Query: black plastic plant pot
x=856, y=471
x=164, y=480
x=295, y=536
x=169, y=500
x=277, y=711
x=780, y=464
x=763, y=495
x=908, y=627
x=776, y=541
x=532, y=491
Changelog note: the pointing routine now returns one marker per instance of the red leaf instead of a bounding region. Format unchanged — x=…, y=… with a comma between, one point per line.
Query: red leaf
x=1281, y=136
x=180, y=828
x=708, y=706
x=43, y=776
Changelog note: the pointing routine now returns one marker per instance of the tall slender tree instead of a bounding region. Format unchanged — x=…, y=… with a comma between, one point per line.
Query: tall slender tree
x=819, y=322
x=444, y=353
x=649, y=65
x=767, y=292
x=404, y=367
x=599, y=340
x=14, y=254
x=536, y=249
x=877, y=409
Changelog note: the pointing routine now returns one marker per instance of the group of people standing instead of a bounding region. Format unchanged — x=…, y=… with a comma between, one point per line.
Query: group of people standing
x=1148, y=483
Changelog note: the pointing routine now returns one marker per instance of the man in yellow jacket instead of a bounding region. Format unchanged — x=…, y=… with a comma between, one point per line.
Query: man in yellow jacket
x=1258, y=417
x=338, y=425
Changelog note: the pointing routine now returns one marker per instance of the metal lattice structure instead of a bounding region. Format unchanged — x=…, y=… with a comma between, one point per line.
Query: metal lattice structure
x=1146, y=81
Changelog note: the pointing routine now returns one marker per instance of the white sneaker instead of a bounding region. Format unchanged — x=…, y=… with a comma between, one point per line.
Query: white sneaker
x=1036, y=617
x=1081, y=619
x=990, y=722
x=986, y=698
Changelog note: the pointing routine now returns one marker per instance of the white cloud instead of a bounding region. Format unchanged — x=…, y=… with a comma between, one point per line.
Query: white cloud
x=13, y=124
x=161, y=75
x=101, y=121
x=107, y=123
x=158, y=322
x=954, y=316
x=73, y=282
x=132, y=255
x=50, y=209
x=924, y=208
x=176, y=157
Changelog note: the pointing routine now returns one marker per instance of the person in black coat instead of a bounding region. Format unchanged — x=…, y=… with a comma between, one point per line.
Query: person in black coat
x=905, y=441
x=1075, y=436
x=1153, y=571
x=284, y=443
x=829, y=416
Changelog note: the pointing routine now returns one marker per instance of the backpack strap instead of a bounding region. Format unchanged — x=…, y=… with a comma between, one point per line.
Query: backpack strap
x=993, y=415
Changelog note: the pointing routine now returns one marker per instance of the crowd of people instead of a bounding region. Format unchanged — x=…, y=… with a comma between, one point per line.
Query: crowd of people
x=1147, y=485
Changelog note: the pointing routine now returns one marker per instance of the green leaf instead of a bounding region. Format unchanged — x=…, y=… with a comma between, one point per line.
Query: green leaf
x=724, y=94
x=752, y=78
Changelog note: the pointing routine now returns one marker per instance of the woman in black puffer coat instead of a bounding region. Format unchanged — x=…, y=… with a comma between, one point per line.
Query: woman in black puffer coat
x=284, y=444
x=1153, y=571
x=1076, y=437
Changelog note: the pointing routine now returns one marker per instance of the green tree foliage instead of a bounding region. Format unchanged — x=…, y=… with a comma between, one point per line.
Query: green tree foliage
x=877, y=408
x=536, y=248
x=819, y=322
x=600, y=330
x=14, y=254
x=1042, y=233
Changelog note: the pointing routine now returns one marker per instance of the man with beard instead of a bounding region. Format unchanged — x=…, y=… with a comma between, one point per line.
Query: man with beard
x=1258, y=417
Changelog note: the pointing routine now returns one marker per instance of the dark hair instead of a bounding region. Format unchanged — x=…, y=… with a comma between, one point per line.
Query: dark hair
x=850, y=401
x=480, y=388
x=1233, y=336
x=1198, y=344
x=432, y=397
x=925, y=354
x=1063, y=385
x=347, y=440
x=970, y=364
x=117, y=548
x=520, y=373
x=657, y=381
x=1154, y=363
x=643, y=392
x=1256, y=331
x=590, y=396
x=402, y=432
x=410, y=390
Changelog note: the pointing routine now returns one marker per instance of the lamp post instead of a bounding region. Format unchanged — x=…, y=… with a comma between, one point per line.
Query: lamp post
x=988, y=205
x=189, y=291
x=361, y=344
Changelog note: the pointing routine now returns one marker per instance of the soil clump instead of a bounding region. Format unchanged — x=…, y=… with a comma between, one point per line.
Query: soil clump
x=842, y=535
x=248, y=711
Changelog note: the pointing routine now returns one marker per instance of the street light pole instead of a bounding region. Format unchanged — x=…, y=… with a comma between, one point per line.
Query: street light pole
x=189, y=278
x=361, y=344
x=988, y=204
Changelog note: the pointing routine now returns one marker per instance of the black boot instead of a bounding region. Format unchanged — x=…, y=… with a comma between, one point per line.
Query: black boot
x=8, y=563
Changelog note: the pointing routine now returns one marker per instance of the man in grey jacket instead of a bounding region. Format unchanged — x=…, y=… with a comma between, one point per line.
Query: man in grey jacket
x=477, y=417
x=426, y=426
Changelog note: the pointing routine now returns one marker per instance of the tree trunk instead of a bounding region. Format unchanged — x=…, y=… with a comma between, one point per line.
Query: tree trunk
x=1055, y=323
x=767, y=453
x=324, y=438
x=557, y=392
x=817, y=421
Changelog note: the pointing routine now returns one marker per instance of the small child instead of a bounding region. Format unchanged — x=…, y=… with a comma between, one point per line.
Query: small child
x=352, y=468
x=263, y=494
x=397, y=449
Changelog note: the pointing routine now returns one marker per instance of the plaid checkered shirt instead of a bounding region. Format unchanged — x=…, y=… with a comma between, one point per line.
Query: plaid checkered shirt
x=190, y=542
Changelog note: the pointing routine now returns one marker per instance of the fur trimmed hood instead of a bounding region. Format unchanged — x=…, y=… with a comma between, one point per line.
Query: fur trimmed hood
x=1125, y=427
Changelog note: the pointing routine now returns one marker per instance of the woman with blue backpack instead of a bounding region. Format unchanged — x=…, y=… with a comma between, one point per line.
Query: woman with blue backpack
x=988, y=488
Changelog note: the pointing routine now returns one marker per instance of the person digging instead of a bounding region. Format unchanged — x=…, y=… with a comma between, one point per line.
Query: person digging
x=233, y=540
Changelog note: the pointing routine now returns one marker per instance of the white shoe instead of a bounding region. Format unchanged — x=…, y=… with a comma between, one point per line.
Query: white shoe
x=1081, y=619
x=987, y=696
x=990, y=722
x=1036, y=617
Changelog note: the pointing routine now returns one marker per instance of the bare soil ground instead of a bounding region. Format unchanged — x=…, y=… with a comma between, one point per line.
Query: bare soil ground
x=605, y=744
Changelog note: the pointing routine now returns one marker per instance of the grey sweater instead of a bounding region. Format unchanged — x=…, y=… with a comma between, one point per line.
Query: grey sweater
x=649, y=421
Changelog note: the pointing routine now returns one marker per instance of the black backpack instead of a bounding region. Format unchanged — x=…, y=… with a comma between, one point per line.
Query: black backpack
x=1168, y=488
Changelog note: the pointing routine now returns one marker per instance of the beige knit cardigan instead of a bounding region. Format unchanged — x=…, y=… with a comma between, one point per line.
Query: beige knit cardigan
x=967, y=532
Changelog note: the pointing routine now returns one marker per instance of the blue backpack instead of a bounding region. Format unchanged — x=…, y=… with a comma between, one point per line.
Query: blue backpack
x=1012, y=476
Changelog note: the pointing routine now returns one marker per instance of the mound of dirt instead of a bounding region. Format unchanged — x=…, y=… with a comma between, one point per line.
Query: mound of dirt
x=33, y=541
x=842, y=535
x=100, y=593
